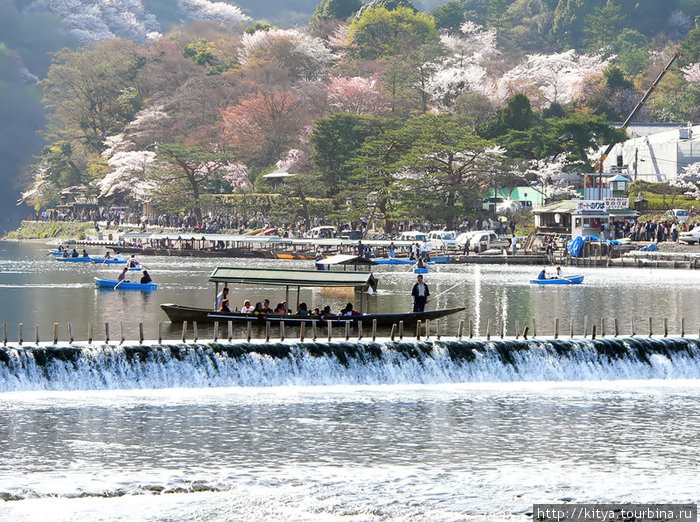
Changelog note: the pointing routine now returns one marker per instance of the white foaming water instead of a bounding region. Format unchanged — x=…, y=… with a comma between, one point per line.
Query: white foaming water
x=285, y=364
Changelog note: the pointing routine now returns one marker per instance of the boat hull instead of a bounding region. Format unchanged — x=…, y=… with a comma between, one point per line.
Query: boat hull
x=573, y=280
x=126, y=285
x=180, y=313
x=103, y=261
x=74, y=259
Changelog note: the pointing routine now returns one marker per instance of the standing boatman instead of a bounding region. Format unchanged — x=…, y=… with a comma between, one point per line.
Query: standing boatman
x=420, y=294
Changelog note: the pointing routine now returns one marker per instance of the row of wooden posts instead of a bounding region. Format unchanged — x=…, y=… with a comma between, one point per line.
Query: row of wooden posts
x=422, y=330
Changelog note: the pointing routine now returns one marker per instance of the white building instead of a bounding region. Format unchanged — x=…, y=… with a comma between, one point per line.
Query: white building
x=656, y=157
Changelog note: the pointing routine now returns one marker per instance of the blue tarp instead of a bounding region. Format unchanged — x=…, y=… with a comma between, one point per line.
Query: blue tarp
x=649, y=248
x=576, y=245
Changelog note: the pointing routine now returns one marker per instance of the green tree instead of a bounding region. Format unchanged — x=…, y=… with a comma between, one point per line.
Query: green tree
x=381, y=32
x=497, y=15
x=336, y=9
x=601, y=26
x=690, y=47
x=517, y=114
x=89, y=92
x=632, y=50
x=201, y=52
x=616, y=79
x=449, y=16
x=567, y=22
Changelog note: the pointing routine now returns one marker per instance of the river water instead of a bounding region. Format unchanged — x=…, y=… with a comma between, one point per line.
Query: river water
x=289, y=438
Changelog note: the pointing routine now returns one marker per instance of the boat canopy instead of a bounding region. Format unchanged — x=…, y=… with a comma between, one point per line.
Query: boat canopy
x=345, y=259
x=300, y=278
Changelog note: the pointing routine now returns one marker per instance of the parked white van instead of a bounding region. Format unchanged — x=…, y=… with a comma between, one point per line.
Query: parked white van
x=413, y=235
x=323, y=232
x=481, y=240
x=442, y=240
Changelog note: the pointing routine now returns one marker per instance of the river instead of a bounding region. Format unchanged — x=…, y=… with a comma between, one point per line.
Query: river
x=374, y=439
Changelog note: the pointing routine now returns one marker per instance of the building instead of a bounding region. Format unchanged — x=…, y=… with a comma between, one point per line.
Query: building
x=657, y=158
x=519, y=198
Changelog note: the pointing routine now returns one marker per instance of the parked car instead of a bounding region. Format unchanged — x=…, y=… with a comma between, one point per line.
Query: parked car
x=481, y=240
x=678, y=214
x=691, y=236
x=413, y=235
x=442, y=240
x=323, y=232
x=351, y=234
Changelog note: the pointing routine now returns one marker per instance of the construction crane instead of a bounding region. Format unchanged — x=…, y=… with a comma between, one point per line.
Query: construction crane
x=598, y=167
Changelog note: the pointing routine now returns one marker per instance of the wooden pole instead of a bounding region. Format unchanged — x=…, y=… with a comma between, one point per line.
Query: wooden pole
x=359, y=329
x=267, y=331
x=249, y=330
x=632, y=327
x=525, y=332
x=488, y=330
x=70, y=333
x=602, y=326
x=418, y=330
x=471, y=331
x=438, y=329
x=393, y=331
x=503, y=329
x=160, y=332
x=571, y=324
x=281, y=330
x=517, y=328
x=184, y=331
x=400, y=330
x=313, y=330
x=107, y=333
x=374, y=329
x=347, y=330
x=230, y=331
x=427, y=328
x=19, y=337
x=460, y=329
x=216, y=330
x=302, y=332
x=617, y=327
x=556, y=328
x=36, y=330
x=593, y=332
x=4, y=334
x=55, y=333
x=665, y=327
x=650, y=332
x=121, y=332
x=140, y=333
x=682, y=326
x=195, y=332
x=330, y=330
x=90, y=333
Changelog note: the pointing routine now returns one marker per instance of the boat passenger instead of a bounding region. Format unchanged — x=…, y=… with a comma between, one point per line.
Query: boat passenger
x=107, y=255
x=266, y=307
x=392, y=250
x=74, y=253
x=420, y=294
x=222, y=295
x=542, y=275
x=303, y=309
x=146, y=278
x=349, y=310
x=224, y=306
x=122, y=276
x=319, y=265
x=247, y=307
x=258, y=308
x=326, y=314
x=132, y=262
x=316, y=311
x=85, y=254
x=559, y=272
x=281, y=308
x=65, y=253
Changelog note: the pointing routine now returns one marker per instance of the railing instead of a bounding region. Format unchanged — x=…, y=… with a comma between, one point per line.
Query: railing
x=330, y=331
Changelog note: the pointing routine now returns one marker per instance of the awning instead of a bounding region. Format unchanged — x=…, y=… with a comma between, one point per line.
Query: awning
x=282, y=277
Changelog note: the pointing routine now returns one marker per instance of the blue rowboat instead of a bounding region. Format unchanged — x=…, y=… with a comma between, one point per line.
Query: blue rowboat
x=103, y=261
x=571, y=280
x=126, y=285
x=420, y=270
x=80, y=259
x=55, y=253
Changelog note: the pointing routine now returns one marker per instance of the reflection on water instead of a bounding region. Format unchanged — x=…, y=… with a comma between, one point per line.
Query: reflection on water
x=37, y=289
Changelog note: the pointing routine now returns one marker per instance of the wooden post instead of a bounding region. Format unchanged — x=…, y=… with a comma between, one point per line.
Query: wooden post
x=460, y=329
x=140, y=333
x=36, y=331
x=267, y=331
x=195, y=333
x=525, y=332
x=359, y=330
x=517, y=328
x=313, y=330
x=230, y=331
x=534, y=328
x=302, y=332
x=682, y=326
x=107, y=333
x=160, y=332
x=374, y=329
x=121, y=332
x=602, y=326
x=249, y=330
x=488, y=330
x=70, y=333
x=634, y=331
x=617, y=327
x=330, y=330
x=650, y=332
x=556, y=328
x=216, y=330
x=400, y=330
x=347, y=330
x=438, y=329
x=4, y=334
x=471, y=331
x=19, y=337
x=665, y=327
x=503, y=329
x=593, y=333
x=418, y=330
x=427, y=328
x=585, y=326
x=393, y=331
x=281, y=330
x=90, y=333
x=184, y=331
x=572, y=327
x=55, y=333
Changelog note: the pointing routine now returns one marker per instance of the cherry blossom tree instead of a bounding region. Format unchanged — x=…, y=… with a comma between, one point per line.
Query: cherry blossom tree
x=690, y=180
x=221, y=12
x=129, y=175
x=692, y=73
x=235, y=174
x=550, y=78
x=356, y=95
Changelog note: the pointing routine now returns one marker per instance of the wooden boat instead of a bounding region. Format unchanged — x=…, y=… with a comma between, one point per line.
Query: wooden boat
x=178, y=313
x=571, y=280
x=79, y=259
x=126, y=285
x=363, y=281
x=111, y=261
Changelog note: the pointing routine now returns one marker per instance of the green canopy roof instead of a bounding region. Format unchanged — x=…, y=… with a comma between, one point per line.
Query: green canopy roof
x=306, y=278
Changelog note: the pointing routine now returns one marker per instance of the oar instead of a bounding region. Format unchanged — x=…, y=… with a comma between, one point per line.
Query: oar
x=432, y=298
x=120, y=282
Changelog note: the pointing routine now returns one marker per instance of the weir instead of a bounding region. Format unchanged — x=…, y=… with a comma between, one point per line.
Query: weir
x=103, y=366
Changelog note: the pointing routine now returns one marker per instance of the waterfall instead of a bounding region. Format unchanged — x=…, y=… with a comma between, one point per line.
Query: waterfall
x=100, y=367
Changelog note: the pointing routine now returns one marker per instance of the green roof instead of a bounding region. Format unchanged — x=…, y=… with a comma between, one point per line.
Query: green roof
x=282, y=277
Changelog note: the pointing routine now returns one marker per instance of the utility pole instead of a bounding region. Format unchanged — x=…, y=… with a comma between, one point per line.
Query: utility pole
x=636, y=156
